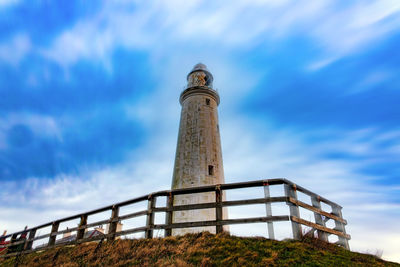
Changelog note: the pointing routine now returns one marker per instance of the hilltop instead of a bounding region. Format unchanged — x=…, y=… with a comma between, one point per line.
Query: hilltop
x=202, y=249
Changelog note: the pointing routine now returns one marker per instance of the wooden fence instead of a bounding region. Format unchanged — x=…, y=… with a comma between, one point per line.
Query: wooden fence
x=22, y=242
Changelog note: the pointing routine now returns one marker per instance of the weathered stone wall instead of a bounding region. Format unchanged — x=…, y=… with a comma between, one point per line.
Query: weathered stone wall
x=198, y=158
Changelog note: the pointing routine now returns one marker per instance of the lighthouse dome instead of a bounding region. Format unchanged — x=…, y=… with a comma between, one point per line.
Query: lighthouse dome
x=200, y=66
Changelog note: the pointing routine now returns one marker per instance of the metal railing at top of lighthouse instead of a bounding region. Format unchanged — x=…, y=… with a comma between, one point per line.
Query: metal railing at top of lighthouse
x=23, y=241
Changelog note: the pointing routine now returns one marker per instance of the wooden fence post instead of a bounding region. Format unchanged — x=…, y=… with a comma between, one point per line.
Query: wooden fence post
x=318, y=218
x=81, y=232
x=53, y=236
x=151, y=204
x=290, y=191
x=169, y=214
x=270, y=225
x=29, y=242
x=12, y=247
x=112, y=228
x=339, y=226
x=218, y=209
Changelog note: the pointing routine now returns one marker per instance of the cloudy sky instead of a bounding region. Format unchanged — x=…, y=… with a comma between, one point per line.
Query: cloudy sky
x=310, y=91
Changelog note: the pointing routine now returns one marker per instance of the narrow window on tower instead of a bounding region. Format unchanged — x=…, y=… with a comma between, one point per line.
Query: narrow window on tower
x=210, y=170
x=207, y=101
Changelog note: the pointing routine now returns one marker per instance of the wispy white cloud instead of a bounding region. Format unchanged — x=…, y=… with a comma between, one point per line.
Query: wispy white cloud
x=64, y=195
x=372, y=80
x=41, y=125
x=160, y=26
x=7, y=3
x=15, y=49
x=351, y=29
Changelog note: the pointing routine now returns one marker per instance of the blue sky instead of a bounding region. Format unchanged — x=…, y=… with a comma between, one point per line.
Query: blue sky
x=309, y=90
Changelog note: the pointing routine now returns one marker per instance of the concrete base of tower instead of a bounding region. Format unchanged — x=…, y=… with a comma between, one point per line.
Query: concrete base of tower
x=196, y=215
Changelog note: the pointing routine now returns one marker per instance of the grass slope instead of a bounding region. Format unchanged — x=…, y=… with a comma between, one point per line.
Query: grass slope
x=202, y=249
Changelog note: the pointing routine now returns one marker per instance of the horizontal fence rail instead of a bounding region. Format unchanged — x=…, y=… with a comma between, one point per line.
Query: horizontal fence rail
x=22, y=241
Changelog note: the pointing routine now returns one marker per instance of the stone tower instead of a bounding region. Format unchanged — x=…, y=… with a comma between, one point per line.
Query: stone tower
x=198, y=159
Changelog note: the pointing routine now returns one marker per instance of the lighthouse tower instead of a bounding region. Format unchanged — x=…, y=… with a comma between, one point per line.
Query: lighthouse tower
x=198, y=159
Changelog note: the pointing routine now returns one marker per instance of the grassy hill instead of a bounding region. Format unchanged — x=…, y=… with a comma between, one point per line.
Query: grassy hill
x=202, y=249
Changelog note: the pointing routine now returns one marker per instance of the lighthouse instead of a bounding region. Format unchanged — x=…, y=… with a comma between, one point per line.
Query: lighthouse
x=198, y=159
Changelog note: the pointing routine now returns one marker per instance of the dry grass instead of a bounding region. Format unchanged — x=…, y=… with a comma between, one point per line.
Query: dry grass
x=202, y=249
